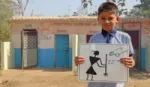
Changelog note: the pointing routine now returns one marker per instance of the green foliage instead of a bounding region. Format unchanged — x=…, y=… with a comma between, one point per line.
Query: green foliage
x=141, y=10
x=5, y=14
x=140, y=13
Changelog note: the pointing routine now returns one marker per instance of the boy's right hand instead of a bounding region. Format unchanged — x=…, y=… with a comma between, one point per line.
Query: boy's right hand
x=79, y=60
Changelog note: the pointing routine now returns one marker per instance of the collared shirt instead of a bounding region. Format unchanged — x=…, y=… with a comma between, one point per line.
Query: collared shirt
x=117, y=37
x=109, y=35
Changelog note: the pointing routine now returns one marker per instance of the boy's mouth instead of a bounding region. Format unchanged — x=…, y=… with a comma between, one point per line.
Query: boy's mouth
x=106, y=24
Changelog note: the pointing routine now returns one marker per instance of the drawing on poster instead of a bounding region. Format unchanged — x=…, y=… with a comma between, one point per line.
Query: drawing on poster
x=94, y=60
x=116, y=52
x=103, y=63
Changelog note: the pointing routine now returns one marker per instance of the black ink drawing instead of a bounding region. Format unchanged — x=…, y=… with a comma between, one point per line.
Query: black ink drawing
x=117, y=54
x=113, y=61
x=94, y=60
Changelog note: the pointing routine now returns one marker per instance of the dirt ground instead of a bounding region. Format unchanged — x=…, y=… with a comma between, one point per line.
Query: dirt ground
x=59, y=78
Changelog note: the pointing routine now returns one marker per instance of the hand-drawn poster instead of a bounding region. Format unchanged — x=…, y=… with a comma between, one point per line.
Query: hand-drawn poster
x=102, y=63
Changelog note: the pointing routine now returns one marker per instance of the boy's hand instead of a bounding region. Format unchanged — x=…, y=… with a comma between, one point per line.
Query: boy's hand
x=79, y=60
x=128, y=62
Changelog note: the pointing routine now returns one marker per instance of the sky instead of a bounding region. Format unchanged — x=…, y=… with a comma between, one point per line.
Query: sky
x=64, y=7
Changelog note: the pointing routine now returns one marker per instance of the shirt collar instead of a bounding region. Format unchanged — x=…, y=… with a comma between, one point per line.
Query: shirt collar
x=105, y=33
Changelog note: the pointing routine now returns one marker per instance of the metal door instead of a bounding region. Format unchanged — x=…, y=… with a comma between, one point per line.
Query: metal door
x=29, y=48
x=62, y=51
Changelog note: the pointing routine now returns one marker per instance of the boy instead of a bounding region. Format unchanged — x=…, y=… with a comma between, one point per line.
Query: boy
x=108, y=18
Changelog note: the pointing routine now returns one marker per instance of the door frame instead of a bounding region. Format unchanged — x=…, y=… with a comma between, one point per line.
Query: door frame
x=22, y=45
x=139, y=38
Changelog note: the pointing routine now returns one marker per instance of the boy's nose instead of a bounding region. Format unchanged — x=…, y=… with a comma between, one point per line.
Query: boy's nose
x=106, y=21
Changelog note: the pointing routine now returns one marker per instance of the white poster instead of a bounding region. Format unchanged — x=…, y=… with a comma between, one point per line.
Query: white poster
x=102, y=63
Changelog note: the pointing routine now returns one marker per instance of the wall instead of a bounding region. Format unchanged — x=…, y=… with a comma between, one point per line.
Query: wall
x=17, y=27
x=70, y=50
x=46, y=43
x=6, y=59
x=46, y=37
x=74, y=51
x=143, y=25
x=45, y=50
x=145, y=40
x=133, y=28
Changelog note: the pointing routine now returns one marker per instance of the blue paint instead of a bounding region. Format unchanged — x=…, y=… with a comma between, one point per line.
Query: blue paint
x=143, y=59
x=70, y=57
x=62, y=51
x=46, y=58
x=17, y=57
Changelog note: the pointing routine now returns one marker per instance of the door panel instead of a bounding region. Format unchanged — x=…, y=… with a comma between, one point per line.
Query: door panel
x=29, y=48
x=62, y=51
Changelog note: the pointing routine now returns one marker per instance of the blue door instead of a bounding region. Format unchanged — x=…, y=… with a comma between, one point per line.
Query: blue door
x=62, y=51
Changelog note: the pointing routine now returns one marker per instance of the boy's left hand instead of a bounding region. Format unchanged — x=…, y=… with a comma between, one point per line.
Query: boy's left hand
x=128, y=61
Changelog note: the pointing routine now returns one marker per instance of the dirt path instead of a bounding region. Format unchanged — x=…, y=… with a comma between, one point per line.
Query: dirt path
x=58, y=78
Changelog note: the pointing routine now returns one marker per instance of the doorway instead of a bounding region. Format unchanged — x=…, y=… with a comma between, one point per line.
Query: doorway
x=88, y=38
x=29, y=48
x=135, y=38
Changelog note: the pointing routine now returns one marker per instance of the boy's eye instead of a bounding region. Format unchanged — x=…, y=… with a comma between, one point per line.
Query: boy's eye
x=110, y=18
x=103, y=18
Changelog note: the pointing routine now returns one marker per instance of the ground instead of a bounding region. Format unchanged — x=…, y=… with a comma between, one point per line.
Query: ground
x=58, y=78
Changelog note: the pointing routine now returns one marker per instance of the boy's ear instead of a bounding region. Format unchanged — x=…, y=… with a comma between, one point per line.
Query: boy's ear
x=118, y=19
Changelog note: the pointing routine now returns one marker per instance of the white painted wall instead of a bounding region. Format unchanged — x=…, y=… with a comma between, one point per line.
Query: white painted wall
x=16, y=40
x=82, y=38
x=6, y=59
x=144, y=41
x=46, y=40
x=15, y=43
x=74, y=51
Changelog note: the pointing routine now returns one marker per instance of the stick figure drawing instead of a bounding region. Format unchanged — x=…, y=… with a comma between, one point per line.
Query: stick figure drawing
x=94, y=60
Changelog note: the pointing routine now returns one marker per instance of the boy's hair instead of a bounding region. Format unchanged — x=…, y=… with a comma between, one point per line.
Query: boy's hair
x=108, y=6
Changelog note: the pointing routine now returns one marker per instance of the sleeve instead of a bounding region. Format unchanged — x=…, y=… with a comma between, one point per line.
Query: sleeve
x=131, y=50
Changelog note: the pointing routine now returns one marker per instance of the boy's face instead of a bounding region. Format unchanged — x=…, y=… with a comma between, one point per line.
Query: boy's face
x=108, y=20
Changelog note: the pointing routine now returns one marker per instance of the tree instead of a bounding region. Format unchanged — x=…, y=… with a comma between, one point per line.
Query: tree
x=22, y=7
x=141, y=10
x=121, y=6
x=139, y=13
x=83, y=10
x=85, y=4
x=5, y=14
x=145, y=4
